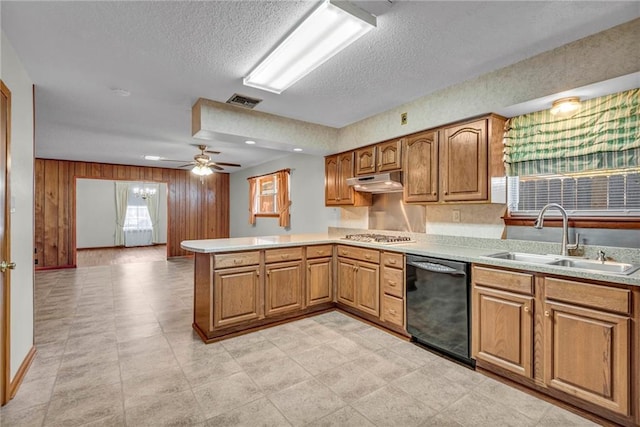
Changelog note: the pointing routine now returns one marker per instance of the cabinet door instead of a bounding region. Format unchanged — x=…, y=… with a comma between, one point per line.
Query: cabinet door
x=368, y=288
x=319, y=281
x=345, y=170
x=283, y=287
x=587, y=355
x=421, y=168
x=389, y=155
x=464, y=162
x=346, y=282
x=502, y=331
x=366, y=160
x=331, y=180
x=392, y=310
x=236, y=295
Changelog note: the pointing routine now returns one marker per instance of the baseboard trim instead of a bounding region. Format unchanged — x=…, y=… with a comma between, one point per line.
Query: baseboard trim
x=22, y=371
x=55, y=267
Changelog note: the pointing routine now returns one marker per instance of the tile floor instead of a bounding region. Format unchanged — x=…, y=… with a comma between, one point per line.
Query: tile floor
x=115, y=347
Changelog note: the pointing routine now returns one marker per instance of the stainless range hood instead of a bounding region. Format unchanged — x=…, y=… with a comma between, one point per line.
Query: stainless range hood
x=389, y=182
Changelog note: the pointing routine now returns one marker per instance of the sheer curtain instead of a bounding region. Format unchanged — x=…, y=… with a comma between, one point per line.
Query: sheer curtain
x=122, y=198
x=154, y=211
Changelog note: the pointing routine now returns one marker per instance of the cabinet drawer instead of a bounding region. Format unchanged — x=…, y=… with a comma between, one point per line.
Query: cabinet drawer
x=319, y=251
x=370, y=255
x=392, y=281
x=506, y=280
x=393, y=310
x=285, y=254
x=236, y=259
x=392, y=259
x=586, y=294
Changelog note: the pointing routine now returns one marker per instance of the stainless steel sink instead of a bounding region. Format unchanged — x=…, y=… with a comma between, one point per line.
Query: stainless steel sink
x=524, y=257
x=597, y=266
x=583, y=264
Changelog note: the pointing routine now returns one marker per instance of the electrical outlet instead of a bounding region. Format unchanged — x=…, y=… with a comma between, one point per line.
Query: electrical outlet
x=403, y=119
x=456, y=216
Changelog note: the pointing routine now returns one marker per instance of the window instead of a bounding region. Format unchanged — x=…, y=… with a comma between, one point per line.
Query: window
x=588, y=163
x=137, y=218
x=269, y=197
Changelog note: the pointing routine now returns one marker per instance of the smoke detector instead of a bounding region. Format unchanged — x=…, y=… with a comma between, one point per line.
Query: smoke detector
x=243, y=101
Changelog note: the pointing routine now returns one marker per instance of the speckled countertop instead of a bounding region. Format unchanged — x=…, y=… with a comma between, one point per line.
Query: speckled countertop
x=466, y=249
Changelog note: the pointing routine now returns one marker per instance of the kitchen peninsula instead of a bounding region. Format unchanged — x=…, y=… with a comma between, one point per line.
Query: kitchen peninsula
x=558, y=313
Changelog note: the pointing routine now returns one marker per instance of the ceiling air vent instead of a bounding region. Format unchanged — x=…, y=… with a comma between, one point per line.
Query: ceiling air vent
x=243, y=101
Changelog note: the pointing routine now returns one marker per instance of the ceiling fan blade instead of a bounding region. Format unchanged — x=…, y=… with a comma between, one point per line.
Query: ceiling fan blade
x=228, y=164
x=216, y=167
x=188, y=164
x=211, y=152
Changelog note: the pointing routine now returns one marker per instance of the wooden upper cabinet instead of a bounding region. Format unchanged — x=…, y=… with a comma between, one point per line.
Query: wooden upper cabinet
x=421, y=168
x=464, y=162
x=383, y=157
x=366, y=160
x=389, y=155
x=338, y=168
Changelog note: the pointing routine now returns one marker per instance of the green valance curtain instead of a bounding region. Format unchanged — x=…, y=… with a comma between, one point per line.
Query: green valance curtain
x=604, y=134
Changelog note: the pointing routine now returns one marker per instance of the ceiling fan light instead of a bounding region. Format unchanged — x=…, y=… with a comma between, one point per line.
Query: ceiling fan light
x=565, y=107
x=201, y=170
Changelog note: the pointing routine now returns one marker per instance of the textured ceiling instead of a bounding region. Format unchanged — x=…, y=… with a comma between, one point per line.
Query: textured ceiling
x=169, y=54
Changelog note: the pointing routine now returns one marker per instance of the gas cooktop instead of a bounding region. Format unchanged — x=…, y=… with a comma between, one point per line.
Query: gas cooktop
x=382, y=239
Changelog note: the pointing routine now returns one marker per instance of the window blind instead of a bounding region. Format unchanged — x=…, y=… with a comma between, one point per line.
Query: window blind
x=605, y=193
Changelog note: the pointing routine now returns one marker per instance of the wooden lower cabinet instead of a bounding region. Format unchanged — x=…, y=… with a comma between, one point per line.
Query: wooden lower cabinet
x=577, y=346
x=236, y=295
x=346, y=289
x=283, y=287
x=319, y=281
x=587, y=350
x=503, y=329
x=367, y=283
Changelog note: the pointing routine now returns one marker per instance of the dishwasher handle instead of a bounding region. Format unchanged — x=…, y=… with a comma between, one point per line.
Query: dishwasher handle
x=437, y=268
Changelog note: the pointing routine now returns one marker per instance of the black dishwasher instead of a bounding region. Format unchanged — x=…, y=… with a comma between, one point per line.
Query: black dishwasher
x=438, y=306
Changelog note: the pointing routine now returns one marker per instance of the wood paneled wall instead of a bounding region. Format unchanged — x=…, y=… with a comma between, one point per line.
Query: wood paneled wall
x=196, y=210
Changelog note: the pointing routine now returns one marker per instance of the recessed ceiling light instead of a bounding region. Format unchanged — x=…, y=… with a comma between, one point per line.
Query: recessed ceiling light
x=152, y=157
x=297, y=149
x=120, y=92
x=250, y=142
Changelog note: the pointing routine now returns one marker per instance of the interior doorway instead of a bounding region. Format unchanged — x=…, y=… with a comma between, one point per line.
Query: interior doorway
x=5, y=239
x=119, y=222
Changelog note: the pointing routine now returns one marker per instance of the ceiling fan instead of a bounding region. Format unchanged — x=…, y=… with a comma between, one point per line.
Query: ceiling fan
x=202, y=163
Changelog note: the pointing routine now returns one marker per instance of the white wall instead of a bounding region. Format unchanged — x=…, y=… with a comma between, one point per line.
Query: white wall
x=308, y=213
x=96, y=213
x=16, y=79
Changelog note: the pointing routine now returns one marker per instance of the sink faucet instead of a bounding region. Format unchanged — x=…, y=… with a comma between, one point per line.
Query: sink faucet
x=539, y=222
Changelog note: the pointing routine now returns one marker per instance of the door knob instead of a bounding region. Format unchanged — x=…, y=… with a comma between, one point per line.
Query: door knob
x=4, y=266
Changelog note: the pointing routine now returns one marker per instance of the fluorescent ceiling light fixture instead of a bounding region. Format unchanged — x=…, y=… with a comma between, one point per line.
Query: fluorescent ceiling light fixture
x=297, y=149
x=331, y=27
x=250, y=142
x=148, y=157
x=202, y=170
x=565, y=107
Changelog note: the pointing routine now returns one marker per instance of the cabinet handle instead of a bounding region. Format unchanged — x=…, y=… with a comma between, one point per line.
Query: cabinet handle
x=392, y=261
x=526, y=309
x=392, y=283
x=356, y=268
x=546, y=313
x=435, y=194
x=392, y=311
x=319, y=252
x=446, y=192
x=284, y=256
x=367, y=256
x=268, y=273
x=309, y=267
